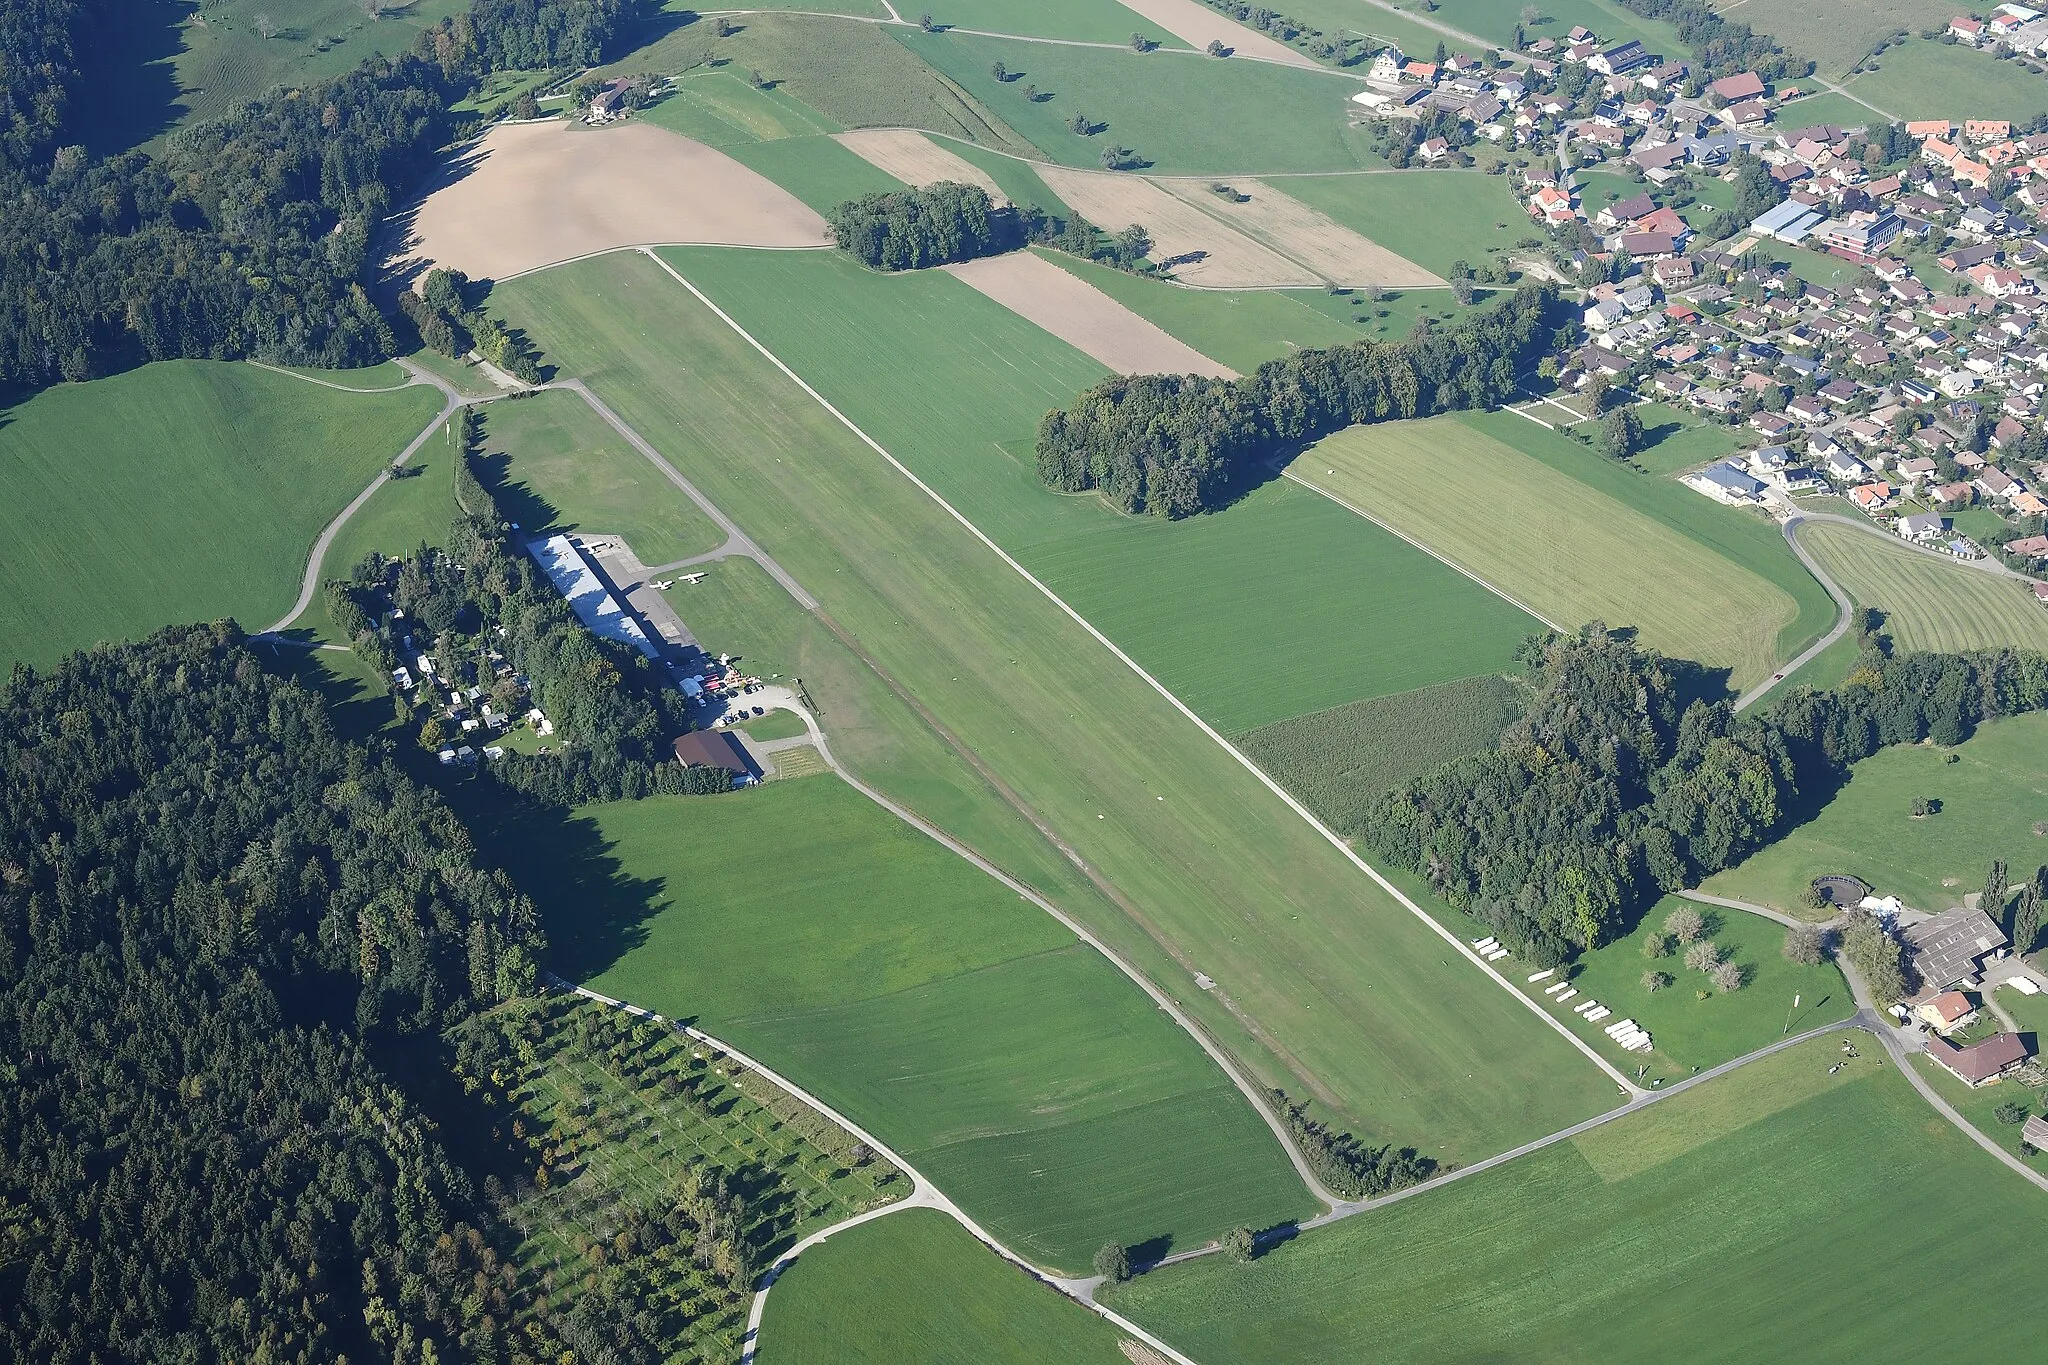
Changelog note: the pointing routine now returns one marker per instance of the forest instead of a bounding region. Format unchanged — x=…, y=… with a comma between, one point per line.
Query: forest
x=1632, y=776
x=248, y=235
x=215, y=916
x=1175, y=445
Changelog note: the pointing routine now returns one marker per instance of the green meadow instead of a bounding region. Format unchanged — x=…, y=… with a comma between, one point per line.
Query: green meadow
x=916, y=1286
x=1747, y=1219
x=182, y=491
x=554, y=465
x=1325, y=985
x=1496, y=20
x=1255, y=116
x=1840, y=36
x=963, y=1026
x=1432, y=218
x=1928, y=602
x=1991, y=798
x=1281, y=605
x=1919, y=79
x=1088, y=21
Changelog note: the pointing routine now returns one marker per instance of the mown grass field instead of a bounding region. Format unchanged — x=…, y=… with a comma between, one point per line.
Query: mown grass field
x=1980, y=1104
x=1919, y=79
x=182, y=491
x=1928, y=603
x=1573, y=554
x=1495, y=20
x=1245, y=328
x=1281, y=605
x=1744, y=538
x=723, y=109
x=1689, y=1033
x=1088, y=21
x=1990, y=798
x=1430, y=217
x=1255, y=116
x=555, y=465
x=616, y=1111
x=915, y=1286
x=1346, y=986
x=1748, y=1219
x=1338, y=761
x=1840, y=36
x=963, y=1026
x=853, y=74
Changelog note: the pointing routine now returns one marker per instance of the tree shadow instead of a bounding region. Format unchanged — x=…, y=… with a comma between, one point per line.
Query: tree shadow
x=593, y=910
x=535, y=515
x=396, y=251
x=128, y=87
x=1150, y=1252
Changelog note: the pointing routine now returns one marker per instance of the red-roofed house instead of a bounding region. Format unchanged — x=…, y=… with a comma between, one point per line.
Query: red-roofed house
x=1735, y=89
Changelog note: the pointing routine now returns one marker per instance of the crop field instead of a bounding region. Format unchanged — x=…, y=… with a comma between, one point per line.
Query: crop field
x=1082, y=316
x=617, y=1111
x=1991, y=798
x=1840, y=36
x=722, y=108
x=182, y=491
x=1919, y=79
x=1928, y=603
x=1019, y=181
x=1214, y=874
x=1765, y=1203
x=1692, y=1025
x=1334, y=252
x=855, y=75
x=555, y=465
x=1744, y=538
x=961, y=1025
x=1432, y=218
x=915, y=159
x=1218, y=255
x=1210, y=604
x=1256, y=116
x=1552, y=542
x=915, y=1286
x=1339, y=760
x=816, y=170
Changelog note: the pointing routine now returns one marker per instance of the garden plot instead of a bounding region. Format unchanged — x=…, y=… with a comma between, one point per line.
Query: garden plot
x=1228, y=259
x=1083, y=316
x=1300, y=233
x=915, y=159
x=535, y=194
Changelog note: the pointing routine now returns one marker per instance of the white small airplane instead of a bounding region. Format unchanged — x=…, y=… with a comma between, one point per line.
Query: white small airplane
x=693, y=578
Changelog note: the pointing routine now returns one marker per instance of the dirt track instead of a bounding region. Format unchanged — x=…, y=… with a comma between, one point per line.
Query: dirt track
x=529, y=195
x=1195, y=23
x=1113, y=200
x=1083, y=316
x=915, y=159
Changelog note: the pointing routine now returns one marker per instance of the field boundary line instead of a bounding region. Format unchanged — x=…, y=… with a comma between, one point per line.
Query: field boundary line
x=1457, y=944
x=1439, y=557
x=649, y=246
x=329, y=383
x=923, y=1193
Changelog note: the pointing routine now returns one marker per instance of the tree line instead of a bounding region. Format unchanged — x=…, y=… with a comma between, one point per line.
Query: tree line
x=440, y=309
x=218, y=920
x=247, y=235
x=1632, y=776
x=1723, y=46
x=916, y=229
x=1174, y=445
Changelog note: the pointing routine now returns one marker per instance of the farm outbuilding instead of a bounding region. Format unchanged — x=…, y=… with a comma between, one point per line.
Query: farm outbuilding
x=711, y=749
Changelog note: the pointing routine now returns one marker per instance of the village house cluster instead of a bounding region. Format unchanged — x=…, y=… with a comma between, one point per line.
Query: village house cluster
x=2013, y=27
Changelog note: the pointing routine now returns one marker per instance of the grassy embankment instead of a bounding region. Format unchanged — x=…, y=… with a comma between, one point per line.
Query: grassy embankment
x=1748, y=1218
x=1991, y=798
x=182, y=491
x=961, y=1025
x=914, y=1286
x=1928, y=603
x=1214, y=874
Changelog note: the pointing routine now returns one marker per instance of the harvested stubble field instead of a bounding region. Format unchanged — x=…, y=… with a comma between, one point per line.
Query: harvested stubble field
x=1168, y=821
x=1432, y=218
x=1929, y=603
x=1182, y=113
x=915, y=1286
x=915, y=159
x=1571, y=553
x=1991, y=798
x=961, y=1025
x=1196, y=25
x=1301, y=234
x=853, y=74
x=181, y=491
x=1227, y=259
x=1340, y=760
x=554, y=465
x=1082, y=316
x=1766, y=1203
x=533, y=194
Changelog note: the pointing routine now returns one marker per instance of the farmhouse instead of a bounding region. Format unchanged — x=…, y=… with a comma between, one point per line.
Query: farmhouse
x=1980, y=1063
x=1735, y=89
x=1948, y=951
x=1946, y=1012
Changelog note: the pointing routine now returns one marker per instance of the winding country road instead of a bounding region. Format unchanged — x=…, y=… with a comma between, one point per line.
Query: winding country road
x=1790, y=527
